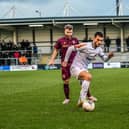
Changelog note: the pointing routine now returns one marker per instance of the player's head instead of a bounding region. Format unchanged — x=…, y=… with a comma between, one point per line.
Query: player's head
x=98, y=39
x=68, y=30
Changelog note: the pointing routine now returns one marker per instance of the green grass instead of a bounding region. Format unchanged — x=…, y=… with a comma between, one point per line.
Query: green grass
x=32, y=100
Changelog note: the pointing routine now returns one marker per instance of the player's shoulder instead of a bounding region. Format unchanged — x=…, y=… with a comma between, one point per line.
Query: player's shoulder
x=88, y=44
x=99, y=49
x=61, y=39
x=75, y=38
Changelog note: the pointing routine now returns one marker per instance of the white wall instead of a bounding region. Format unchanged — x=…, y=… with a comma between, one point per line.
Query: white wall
x=6, y=35
x=42, y=34
x=25, y=33
x=112, y=31
x=93, y=29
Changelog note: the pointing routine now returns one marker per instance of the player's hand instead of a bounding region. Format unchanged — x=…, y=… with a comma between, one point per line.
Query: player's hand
x=64, y=64
x=51, y=62
x=110, y=55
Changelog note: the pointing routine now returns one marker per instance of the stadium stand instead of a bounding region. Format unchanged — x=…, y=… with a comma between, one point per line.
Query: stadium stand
x=14, y=32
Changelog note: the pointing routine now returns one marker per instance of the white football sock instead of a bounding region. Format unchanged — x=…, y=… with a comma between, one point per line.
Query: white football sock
x=84, y=90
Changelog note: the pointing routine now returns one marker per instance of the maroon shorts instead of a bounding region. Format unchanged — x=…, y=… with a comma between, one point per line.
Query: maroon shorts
x=65, y=72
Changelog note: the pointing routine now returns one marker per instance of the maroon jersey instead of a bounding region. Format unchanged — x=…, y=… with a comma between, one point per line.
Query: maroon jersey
x=62, y=44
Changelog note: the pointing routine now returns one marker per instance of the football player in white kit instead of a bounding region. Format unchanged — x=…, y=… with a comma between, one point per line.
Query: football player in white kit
x=86, y=53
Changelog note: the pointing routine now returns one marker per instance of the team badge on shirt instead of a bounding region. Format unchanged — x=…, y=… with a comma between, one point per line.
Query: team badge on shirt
x=74, y=42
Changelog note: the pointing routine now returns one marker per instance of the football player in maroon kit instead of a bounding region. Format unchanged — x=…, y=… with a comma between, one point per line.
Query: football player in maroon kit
x=62, y=45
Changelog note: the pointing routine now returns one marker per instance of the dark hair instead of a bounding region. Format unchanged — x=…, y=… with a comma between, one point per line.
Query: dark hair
x=68, y=26
x=100, y=34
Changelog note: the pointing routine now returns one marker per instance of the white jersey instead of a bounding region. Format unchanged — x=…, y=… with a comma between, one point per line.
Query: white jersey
x=85, y=55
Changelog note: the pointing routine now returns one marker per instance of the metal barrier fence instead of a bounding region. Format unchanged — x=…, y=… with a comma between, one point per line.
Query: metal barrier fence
x=15, y=61
x=36, y=57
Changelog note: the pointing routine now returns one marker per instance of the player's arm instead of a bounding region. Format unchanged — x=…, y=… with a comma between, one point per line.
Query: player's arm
x=77, y=47
x=68, y=53
x=106, y=57
x=53, y=56
x=80, y=45
x=110, y=55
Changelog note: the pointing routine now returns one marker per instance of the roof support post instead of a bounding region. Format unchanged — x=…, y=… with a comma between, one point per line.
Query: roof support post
x=122, y=39
x=15, y=36
x=51, y=38
x=120, y=26
x=33, y=34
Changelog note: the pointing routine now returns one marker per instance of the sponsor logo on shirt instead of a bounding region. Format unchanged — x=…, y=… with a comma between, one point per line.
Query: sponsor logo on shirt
x=65, y=45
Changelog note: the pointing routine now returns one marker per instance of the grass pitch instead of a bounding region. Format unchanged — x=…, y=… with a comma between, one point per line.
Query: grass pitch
x=33, y=100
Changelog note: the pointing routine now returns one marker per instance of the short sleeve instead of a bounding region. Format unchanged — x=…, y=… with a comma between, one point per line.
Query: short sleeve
x=57, y=45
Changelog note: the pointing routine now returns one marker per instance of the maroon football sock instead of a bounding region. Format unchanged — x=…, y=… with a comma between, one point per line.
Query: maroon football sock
x=66, y=91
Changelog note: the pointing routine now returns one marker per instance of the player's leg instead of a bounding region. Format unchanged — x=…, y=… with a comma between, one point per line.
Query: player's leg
x=65, y=78
x=89, y=96
x=86, y=77
x=88, y=92
x=66, y=92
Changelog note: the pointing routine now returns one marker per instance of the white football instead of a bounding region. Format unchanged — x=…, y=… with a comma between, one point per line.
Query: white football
x=88, y=105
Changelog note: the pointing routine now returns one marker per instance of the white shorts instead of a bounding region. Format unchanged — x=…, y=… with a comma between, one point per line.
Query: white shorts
x=75, y=71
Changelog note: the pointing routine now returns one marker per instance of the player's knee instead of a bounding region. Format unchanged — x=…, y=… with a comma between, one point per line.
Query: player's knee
x=88, y=77
x=85, y=76
x=66, y=81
